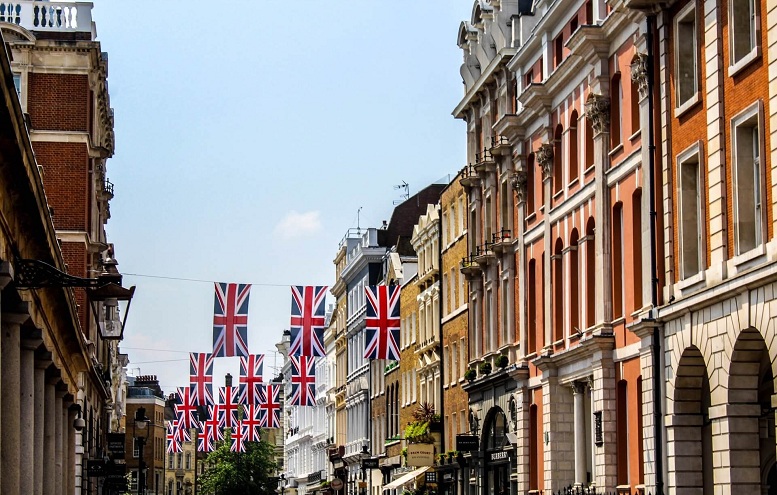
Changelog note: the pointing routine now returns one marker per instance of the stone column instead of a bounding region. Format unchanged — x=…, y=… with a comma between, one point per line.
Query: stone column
x=27, y=460
x=557, y=423
x=735, y=456
x=603, y=397
x=58, y=441
x=10, y=377
x=597, y=110
x=578, y=389
x=544, y=158
x=523, y=399
x=6, y=276
x=49, y=438
x=39, y=416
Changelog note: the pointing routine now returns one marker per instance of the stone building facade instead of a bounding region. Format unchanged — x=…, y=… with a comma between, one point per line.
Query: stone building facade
x=556, y=239
x=60, y=75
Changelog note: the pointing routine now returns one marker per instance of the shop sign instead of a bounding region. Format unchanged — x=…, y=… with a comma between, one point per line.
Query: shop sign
x=467, y=443
x=499, y=455
x=116, y=442
x=370, y=463
x=420, y=454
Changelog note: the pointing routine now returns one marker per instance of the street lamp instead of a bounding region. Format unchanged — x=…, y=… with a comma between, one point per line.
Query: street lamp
x=140, y=430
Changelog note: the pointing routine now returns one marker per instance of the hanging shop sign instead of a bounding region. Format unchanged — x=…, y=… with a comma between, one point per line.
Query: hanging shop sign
x=420, y=454
x=467, y=443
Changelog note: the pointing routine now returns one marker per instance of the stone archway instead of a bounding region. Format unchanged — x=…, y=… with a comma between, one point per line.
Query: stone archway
x=689, y=429
x=744, y=442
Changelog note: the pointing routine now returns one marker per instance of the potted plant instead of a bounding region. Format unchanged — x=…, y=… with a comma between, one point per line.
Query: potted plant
x=502, y=361
x=470, y=374
x=485, y=368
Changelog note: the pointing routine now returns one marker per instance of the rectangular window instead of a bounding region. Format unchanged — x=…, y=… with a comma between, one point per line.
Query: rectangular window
x=686, y=56
x=169, y=461
x=748, y=224
x=462, y=214
x=454, y=363
x=743, y=25
x=17, y=83
x=135, y=448
x=446, y=369
x=689, y=212
x=133, y=481
x=452, y=234
x=446, y=295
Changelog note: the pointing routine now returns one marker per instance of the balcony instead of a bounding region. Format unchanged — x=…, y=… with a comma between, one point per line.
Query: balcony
x=485, y=254
x=49, y=16
x=484, y=163
x=501, y=241
x=500, y=146
x=469, y=177
x=108, y=189
x=469, y=267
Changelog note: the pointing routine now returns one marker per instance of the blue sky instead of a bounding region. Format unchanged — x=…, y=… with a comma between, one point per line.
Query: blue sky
x=249, y=134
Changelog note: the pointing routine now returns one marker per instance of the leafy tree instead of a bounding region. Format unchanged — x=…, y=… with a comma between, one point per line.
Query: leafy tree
x=238, y=473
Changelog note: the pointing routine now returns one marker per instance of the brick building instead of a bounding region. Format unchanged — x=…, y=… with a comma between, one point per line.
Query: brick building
x=60, y=76
x=455, y=296
x=144, y=392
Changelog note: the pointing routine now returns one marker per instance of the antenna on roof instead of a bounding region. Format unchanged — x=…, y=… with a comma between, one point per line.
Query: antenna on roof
x=358, y=230
x=404, y=186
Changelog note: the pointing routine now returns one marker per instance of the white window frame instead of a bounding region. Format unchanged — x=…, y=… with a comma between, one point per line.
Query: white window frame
x=736, y=64
x=752, y=116
x=687, y=157
x=689, y=12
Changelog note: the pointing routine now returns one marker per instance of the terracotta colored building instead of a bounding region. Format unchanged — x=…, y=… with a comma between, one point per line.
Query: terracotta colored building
x=556, y=243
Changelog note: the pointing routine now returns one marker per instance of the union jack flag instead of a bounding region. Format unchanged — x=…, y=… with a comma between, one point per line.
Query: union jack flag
x=239, y=437
x=211, y=430
x=303, y=381
x=201, y=378
x=173, y=443
x=253, y=422
x=251, y=379
x=185, y=409
x=270, y=409
x=229, y=404
x=307, y=320
x=382, y=322
x=230, y=320
x=206, y=441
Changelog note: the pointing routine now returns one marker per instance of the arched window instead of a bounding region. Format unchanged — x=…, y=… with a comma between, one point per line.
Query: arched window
x=589, y=144
x=531, y=296
x=558, y=169
x=634, y=100
x=530, y=184
x=590, y=275
x=616, y=122
x=558, y=291
x=494, y=434
x=617, y=260
x=574, y=280
x=574, y=166
x=636, y=246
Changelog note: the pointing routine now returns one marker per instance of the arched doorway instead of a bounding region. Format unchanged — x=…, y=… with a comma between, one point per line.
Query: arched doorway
x=496, y=469
x=751, y=451
x=691, y=429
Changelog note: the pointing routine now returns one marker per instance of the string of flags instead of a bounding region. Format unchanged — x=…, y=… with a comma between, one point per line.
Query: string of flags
x=244, y=409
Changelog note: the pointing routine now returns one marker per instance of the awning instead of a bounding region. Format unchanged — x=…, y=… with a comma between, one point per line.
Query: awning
x=406, y=478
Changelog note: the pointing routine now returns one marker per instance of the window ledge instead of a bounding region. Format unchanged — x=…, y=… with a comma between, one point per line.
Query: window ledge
x=589, y=169
x=573, y=183
x=743, y=62
x=749, y=256
x=691, y=102
x=529, y=218
x=636, y=135
x=691, y=281
x=558, y=194
x=615, y=150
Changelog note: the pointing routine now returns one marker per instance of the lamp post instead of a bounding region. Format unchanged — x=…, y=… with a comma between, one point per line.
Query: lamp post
x=140, y=430
x=282, y=483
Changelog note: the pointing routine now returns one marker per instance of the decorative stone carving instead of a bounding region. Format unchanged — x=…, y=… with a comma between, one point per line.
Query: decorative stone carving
x=639, y=73
x=518, y=181
x=597, y=110
x=544, y=157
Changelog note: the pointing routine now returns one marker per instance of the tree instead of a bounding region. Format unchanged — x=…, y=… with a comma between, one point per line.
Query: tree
x=239, y=473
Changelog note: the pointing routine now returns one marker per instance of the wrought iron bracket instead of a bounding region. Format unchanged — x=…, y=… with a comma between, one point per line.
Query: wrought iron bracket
x=35, y=274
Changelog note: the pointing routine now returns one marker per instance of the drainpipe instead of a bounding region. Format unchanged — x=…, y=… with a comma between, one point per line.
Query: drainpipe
x=656, y=344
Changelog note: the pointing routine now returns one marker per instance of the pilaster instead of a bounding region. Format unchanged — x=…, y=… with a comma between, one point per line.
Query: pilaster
x=12, y=319
x=597, y=109
x=544, y=158
x=558, y=423
x=603, y=405
x=31, y=340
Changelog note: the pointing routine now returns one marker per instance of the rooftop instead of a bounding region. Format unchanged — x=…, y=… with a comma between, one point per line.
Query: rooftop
x=51, y=17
